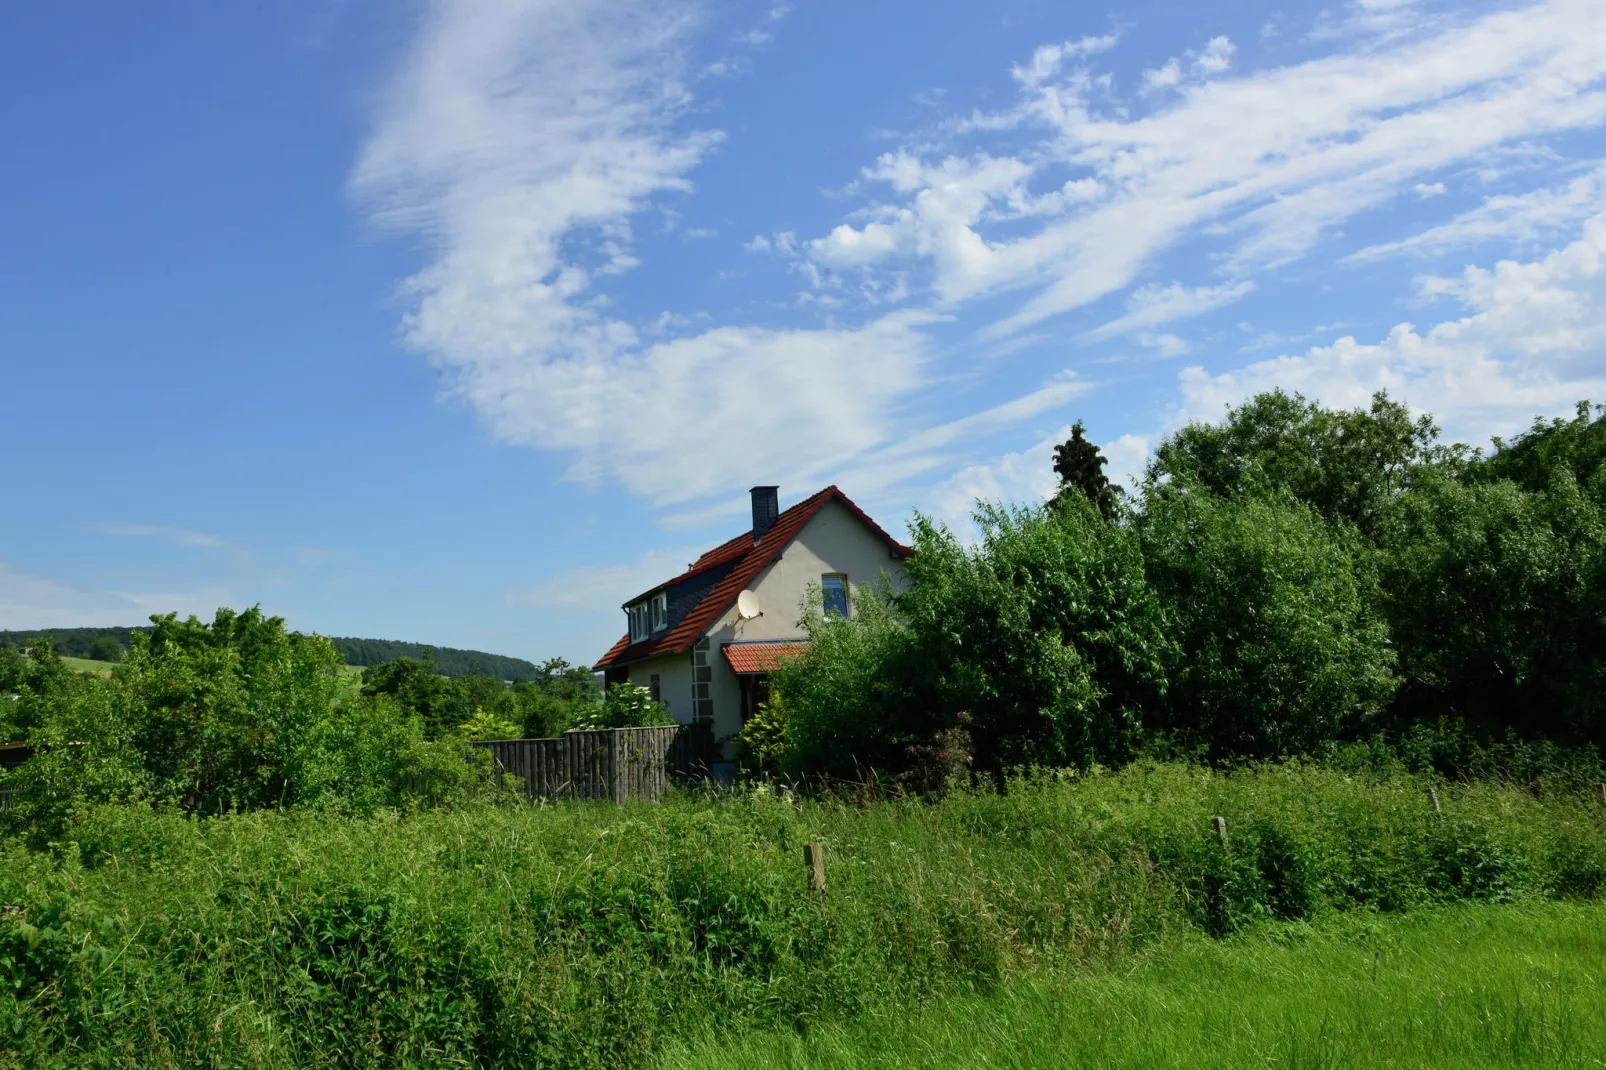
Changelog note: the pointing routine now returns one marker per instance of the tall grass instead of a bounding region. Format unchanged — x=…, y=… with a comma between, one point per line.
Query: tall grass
x=581, y=935
x=1468, y=986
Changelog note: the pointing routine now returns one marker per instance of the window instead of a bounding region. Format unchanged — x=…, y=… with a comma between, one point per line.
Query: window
x=649, y=616
x=702, y=675
x=835, y=587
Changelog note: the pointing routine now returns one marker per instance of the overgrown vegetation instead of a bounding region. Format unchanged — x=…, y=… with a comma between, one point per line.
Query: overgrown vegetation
x=1290, y=578
x=1468, y=987
x=1381, y=659
x=588, y=936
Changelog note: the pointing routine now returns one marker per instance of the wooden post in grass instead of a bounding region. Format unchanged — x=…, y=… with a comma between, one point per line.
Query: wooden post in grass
x=1221, y=830
x=814, y=858
x=1433, y=793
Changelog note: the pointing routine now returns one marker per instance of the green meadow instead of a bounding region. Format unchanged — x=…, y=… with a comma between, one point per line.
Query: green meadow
x=1093, y=917
x=1483, y=985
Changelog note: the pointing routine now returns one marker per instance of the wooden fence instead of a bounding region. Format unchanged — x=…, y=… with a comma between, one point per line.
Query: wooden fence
x=616, y=764
x=6, y=798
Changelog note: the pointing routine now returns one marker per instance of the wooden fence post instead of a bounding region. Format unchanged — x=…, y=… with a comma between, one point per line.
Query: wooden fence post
x=1221, y=830
x=814, y=858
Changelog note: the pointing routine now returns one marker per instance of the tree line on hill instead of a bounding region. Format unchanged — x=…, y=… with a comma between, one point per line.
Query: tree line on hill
x=110, y=644
x=1289, y=579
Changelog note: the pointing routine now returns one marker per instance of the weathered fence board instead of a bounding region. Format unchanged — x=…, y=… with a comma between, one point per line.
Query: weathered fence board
x=616, y=764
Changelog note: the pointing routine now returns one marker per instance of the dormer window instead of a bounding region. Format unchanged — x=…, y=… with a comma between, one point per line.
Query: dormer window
x=649, y=616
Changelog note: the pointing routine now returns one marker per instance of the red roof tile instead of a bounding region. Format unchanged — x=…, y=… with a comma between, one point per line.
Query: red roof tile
x=760, y=657
x=751, y=560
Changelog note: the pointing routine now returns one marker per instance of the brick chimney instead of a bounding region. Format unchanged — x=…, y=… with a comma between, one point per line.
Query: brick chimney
x=766, y=507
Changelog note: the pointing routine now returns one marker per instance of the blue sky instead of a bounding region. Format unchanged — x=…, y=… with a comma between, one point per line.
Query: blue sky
x=461, y=322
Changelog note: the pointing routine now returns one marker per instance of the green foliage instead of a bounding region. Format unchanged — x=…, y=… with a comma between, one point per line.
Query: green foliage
x=1281, y=648
x=485, y=725
x=1533, y=459
x=1046, y=634
x=764, y=742
x=1497, y=599
x=1080, y=468
x=448, y=661
x=853, y=697
x=587, y=936
x=94, y=643
x=623, y=706
x=1474, y=986
x=543, y=707
x=1343, y=463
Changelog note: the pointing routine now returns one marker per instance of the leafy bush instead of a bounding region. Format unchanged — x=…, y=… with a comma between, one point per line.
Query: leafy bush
x=1046, y=634
x=1497, y=599
x=1274, y=612
x=624, y=706
x=584, y=936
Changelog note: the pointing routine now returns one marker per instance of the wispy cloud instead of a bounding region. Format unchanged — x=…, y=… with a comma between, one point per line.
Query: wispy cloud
x=1312, y=145
x=1517, y=218
x=1150, y=307
x=521, y=138
x=199, y=540
x=31, y=600
x=594, y=587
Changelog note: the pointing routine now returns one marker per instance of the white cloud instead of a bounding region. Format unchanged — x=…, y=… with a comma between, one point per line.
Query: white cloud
x=520, y=138
x=30, y=600
x=1216, y=56
x=1153, y=306
x=200, y=540
x=1166, y=344
x=1165, y=76
x=588, y=587
x=1428, y=189
x=1519, y=218
x=1048, y=60
x=1312, y=144
x=1529, y=345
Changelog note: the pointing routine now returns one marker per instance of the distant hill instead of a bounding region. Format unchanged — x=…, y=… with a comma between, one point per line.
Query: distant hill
x=90, y=643
x=449, y=661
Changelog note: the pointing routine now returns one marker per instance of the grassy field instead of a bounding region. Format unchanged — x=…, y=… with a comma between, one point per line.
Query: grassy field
x=598, y=936
x=1467, y=986
x=94, y=668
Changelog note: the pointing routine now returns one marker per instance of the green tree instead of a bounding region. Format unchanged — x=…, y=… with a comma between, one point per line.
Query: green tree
x=1080, y=468
x=105, y=648
x=1497, y=598
x=1274, y=613
x=1344, y=463
x=1533, y=458
x=1046, y=634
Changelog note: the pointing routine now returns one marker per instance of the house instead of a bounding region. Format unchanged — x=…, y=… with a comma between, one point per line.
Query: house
x=705, y=641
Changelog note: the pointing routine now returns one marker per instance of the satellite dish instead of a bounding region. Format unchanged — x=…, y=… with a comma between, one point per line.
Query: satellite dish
x=747, y=606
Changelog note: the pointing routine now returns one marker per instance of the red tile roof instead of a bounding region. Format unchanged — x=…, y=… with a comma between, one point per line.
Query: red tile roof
x=760, y=657
x=750, y=560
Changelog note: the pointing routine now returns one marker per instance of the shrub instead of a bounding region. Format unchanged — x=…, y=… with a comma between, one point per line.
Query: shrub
x=1497, y=599
x=1281, y=646
x=624, y=706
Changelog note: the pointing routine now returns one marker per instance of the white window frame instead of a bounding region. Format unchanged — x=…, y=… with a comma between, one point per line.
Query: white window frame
x=847, y=594
x=648, y=617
